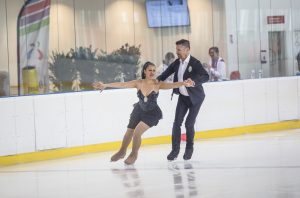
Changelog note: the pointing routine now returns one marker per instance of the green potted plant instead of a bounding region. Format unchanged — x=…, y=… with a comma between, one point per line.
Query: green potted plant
x=82, y=66
x=122, y=64
x=62, y=71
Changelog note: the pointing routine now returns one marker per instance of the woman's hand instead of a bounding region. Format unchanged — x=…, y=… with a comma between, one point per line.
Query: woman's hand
x=99, y=85
x=189, y=83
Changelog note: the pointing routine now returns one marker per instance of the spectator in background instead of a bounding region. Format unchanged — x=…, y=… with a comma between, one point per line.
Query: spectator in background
x=169, y=58
x=4, y=83
x=298, y=61
x=216, y=66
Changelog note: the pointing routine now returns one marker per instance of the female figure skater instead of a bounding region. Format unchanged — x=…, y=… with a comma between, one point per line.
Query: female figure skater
x=146, y=112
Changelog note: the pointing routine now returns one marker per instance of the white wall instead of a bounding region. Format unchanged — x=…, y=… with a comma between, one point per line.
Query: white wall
x=3, y=38
x=109, y=24
x=248, y=28
x=248, y=21
x=231, y=36
x=11, y=50
x=296, y=31
x=238, y=27
x=34, y=123
x=219, y=28
x=277, y=8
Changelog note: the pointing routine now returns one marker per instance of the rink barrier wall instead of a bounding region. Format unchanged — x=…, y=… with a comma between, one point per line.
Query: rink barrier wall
x=67, y=152
x=65, y=124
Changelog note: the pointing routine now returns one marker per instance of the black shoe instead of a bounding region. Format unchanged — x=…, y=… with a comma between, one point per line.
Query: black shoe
x=173, y=155
x=188, y=153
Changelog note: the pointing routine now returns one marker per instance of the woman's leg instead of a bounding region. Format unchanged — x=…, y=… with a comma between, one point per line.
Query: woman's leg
x=126, y=141
x=136, y=142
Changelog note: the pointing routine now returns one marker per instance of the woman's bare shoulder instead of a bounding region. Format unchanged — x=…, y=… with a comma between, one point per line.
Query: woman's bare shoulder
x=157, y=84
x=155, y=81
x=139, y=83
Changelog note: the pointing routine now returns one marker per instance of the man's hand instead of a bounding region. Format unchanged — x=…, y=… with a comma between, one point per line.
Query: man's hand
x=189, y=83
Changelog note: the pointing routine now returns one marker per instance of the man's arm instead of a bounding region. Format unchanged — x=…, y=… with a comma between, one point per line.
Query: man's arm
x=168, y=72
x=202, y=75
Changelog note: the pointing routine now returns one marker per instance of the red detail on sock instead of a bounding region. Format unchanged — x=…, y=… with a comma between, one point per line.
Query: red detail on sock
x=183, y=137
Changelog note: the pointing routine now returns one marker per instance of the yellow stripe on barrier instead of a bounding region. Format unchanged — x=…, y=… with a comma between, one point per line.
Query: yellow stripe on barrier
x=66, y=152
x=260, y=128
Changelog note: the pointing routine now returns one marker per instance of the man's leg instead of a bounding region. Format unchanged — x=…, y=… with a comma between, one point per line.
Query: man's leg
x=190, y=130
x=181, y=110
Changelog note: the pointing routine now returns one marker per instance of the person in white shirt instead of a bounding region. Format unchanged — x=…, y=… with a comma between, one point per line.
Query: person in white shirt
x=185, y=67
x=216, y=67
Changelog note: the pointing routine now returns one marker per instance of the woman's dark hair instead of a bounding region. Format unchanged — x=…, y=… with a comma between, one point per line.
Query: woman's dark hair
x=145, y=66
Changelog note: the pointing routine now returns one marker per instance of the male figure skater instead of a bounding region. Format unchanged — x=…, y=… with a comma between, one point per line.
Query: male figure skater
x=190, y=98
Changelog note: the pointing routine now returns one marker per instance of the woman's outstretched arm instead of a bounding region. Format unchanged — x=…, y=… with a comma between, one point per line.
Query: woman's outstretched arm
x=187, y=83
x=130, y=84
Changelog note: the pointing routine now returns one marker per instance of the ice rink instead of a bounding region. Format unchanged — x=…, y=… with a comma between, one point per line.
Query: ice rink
x=265, y=165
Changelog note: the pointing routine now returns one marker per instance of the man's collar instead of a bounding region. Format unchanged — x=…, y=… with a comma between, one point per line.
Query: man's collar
x=187, y=60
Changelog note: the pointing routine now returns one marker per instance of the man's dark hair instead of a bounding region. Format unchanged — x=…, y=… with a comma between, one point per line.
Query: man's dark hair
x=216, y=49
x=184, y=43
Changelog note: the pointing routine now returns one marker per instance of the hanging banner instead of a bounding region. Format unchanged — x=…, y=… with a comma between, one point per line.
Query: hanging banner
x=33, y=45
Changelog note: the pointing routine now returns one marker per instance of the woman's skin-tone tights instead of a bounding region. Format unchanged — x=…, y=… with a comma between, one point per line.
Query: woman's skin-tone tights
x=134, y=135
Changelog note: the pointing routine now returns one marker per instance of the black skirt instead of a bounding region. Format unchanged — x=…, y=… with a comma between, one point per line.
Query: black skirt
x=151, y=117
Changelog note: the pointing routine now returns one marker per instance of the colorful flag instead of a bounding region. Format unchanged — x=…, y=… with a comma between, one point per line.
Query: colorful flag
x=33, y=45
